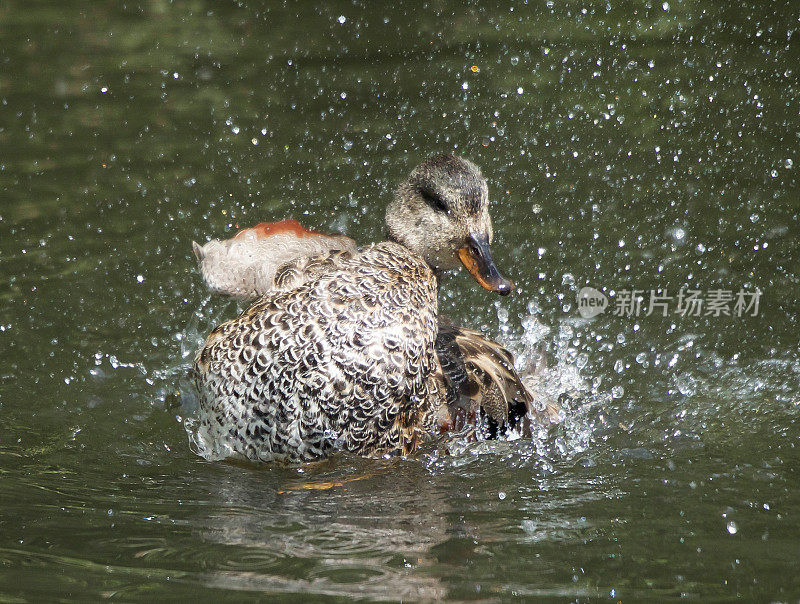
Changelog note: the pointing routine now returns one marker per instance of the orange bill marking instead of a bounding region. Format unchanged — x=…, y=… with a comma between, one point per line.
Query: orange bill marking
x=471, y=264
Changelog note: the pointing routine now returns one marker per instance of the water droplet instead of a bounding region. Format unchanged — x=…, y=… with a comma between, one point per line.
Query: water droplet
x=732, y=528
x=617, y=392
x=465, y=86
x=665, y=6
x=686, y=384
x=788, y=163
x=529, y=526
x=678, y=233
x=502, y=314
x=501, y=495
x=514, y=60
x=342, y=19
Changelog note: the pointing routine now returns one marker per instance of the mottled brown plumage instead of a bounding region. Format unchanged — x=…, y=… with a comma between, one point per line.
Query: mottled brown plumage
x=343, y=349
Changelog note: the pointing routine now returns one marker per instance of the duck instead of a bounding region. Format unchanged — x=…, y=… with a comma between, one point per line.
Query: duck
x=342, y=348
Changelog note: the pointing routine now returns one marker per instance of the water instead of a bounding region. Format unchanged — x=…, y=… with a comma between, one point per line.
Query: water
x=628, y=145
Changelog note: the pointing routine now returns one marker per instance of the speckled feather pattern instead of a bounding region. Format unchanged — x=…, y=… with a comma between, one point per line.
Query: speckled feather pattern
x=340, y=357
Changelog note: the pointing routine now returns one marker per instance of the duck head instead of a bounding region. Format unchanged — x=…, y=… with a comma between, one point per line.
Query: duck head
x=441, y=212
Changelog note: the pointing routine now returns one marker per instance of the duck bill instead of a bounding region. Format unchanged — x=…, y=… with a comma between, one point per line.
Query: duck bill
x=477, y=259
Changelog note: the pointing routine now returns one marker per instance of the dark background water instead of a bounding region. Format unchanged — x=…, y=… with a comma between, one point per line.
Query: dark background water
x=628, y=145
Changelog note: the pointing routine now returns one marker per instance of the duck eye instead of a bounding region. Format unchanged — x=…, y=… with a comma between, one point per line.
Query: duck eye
x=433, y=200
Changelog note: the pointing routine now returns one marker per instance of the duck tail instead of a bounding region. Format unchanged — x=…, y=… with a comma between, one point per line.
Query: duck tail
x=199, y=253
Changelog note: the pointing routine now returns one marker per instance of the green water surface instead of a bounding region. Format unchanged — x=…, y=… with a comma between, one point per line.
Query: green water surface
x=628, y=145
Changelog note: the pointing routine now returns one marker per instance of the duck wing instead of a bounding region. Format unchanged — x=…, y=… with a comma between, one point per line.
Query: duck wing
x=479, y=379
x=246, y=265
